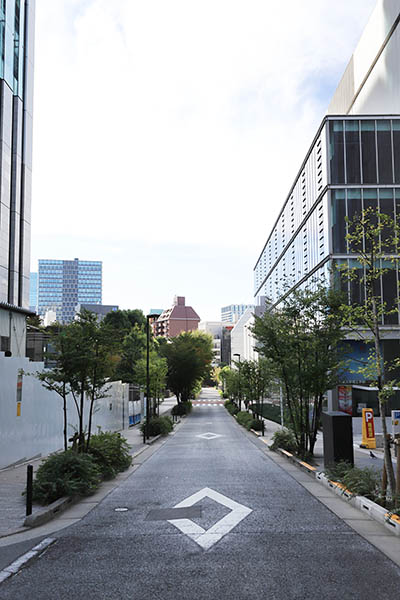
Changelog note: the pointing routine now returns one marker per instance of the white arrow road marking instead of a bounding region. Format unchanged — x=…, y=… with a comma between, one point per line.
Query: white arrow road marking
x=208, y=538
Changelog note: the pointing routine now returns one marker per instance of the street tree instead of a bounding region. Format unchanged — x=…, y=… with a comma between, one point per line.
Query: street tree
x=158, y=369
x=189, y=357
x=373, y=237
x=82, y=360
x=256, y=378
x=300, y=339
x=130, y=352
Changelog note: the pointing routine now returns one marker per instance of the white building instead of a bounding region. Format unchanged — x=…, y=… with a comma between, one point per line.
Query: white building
x=233, y=312
x=214, y=328
x=371, y=82
x=242, y=340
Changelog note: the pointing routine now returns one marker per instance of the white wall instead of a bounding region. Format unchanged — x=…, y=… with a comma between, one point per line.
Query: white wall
x=13, y=325
x=242, y=340
x=39, y=429
x=380, y=92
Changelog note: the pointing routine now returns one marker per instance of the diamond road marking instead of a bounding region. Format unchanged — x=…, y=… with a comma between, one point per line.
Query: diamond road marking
x=209, y=435
x=208, y=538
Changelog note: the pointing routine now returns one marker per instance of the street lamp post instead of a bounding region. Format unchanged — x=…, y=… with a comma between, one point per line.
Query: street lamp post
x=240, y=395
x=146, y=428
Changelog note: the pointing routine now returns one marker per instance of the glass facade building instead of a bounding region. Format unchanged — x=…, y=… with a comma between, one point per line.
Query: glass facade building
x=63, y=284
x=233, y=312
x=353, y=164
x=16, y=83
x=33, y=292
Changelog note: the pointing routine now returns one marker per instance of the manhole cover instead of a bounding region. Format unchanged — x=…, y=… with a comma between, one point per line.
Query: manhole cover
x=122, y=509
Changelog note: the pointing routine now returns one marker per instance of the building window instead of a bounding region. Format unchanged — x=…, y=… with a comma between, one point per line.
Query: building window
x=352, y=136
x=336, y=151
x=368, y=151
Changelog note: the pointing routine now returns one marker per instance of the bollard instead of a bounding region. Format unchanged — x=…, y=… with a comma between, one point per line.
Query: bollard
x=262, y=427
x=29, y=483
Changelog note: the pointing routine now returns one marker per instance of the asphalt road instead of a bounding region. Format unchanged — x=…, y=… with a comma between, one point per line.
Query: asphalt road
x=272, y=539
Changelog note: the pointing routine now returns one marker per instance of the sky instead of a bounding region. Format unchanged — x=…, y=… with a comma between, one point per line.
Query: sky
x=167, y=134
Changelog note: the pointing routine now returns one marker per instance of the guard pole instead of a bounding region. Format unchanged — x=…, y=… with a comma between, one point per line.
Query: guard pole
x=29, y=486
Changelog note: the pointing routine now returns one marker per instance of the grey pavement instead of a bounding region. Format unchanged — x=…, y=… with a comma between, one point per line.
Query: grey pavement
x=13, y=479
x=262, y=531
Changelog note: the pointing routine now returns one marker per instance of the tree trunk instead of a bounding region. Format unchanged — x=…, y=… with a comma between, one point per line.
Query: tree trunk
x=90, y=422
x=382, y=412
x=65, y=419
x=81, y=445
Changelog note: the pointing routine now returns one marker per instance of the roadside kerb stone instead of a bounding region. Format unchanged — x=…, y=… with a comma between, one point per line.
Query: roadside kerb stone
x=373, y=510
x=43, y=515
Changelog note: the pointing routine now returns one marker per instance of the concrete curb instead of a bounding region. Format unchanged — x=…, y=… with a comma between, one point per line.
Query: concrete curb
x=373, y=510
x=43, y=515
x=26, y=558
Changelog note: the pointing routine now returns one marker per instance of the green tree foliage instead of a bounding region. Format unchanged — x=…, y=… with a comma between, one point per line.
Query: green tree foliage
x=158, y=369
x=131, y=352
x=374, y=238
x=230, y=383
x=82, y=357
x=189, y=357
x=255, y=379
x=300, y=340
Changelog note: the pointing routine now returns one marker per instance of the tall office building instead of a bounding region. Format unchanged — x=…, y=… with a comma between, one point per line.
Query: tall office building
x=33, y=292
x=353, y=163
x=16, y=87
x=233, y=312
x=63, y=284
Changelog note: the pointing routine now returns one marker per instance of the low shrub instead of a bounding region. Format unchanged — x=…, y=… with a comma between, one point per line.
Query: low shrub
x=158, y=426
x=256, y=425
x=65, y=474
x=231, y=407
x=110, y=452
x=284, y=438
x=244, y=418
x=182, y=408
x=337, y=471
x=360, y=482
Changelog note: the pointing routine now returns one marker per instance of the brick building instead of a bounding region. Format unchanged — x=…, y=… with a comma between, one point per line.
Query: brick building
x=176, y=319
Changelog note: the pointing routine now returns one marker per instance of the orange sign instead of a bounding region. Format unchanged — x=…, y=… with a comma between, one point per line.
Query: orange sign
x=368, y=428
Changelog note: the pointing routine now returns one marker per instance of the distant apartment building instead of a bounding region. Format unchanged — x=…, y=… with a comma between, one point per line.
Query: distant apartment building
x=221, y=334
x=33, y=292
x=63, y=284
x=233, y=312
x=176, y=319
x=214, y=328
x=16, y=107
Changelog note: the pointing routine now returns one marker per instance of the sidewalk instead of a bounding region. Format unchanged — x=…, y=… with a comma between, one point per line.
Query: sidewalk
x=362, y=457
x=13, y=479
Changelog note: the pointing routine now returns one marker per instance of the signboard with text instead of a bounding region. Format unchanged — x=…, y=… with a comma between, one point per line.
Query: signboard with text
x=368, y=428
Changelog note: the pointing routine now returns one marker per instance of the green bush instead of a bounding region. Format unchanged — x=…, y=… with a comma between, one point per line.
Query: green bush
x=65, y=474
x=256, y=424
x=231, y=407
x=337, y=471
x=244, y=418
x=360, y=482
x=182, y=408
x=284, y=438
x=159, y=426
x=110, y=452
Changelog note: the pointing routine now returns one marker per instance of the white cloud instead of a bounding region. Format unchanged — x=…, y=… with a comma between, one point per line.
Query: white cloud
x=179, y=119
